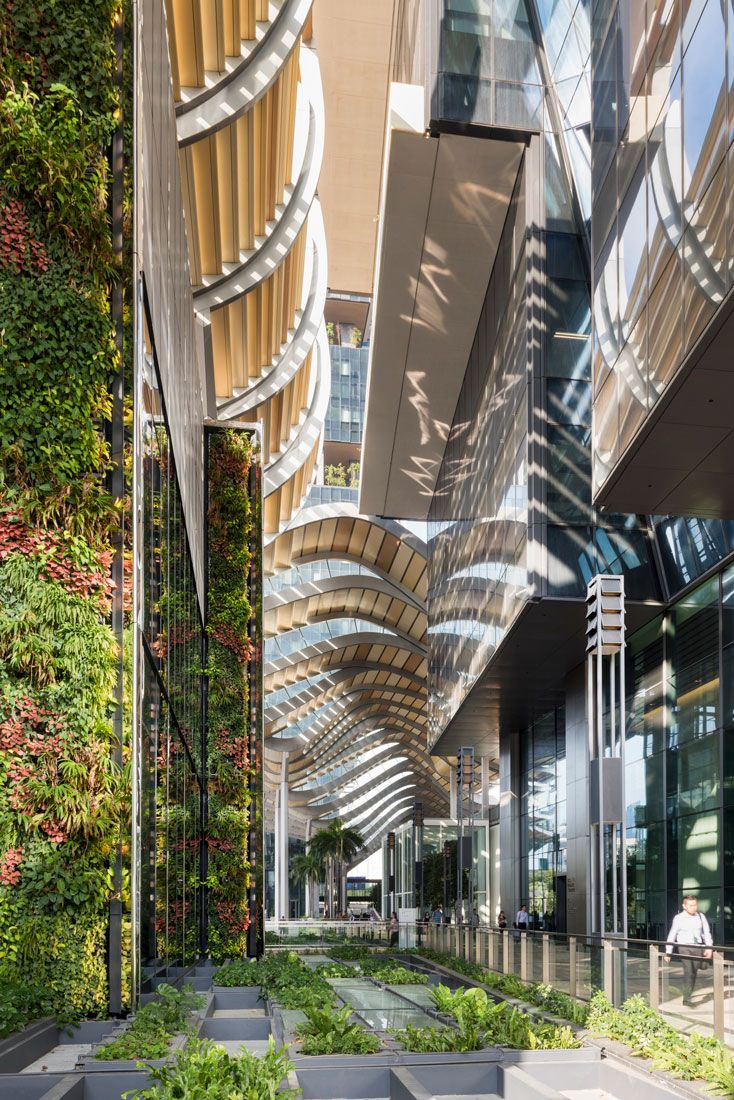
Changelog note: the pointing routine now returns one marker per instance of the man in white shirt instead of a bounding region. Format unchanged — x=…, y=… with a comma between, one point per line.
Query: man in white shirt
x=691, y=935
x=521, y=921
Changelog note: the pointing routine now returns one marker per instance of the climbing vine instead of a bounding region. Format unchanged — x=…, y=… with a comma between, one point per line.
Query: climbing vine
x=231, y=516
x=62, y=798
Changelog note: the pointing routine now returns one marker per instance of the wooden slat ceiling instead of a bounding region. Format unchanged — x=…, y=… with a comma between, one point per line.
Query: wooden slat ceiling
x=235, y=181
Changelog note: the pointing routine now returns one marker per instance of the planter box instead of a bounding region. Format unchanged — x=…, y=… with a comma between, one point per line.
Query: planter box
x=52, y=1086
x=127, y=1065
x=240, y=1029
x=245, y=998
x=39, y=1038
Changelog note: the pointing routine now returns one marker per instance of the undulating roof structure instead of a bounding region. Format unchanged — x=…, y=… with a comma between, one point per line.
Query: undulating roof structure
x=345, y=618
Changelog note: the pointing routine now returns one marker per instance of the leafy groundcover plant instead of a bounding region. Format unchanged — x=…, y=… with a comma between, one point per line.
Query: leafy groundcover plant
x=284, y=978
x=545, y=997
x=330, y=1031
x=154, y=1025
x=483, y=1023
x=645, y=1032
x=354, y=953
x=239, y=972
x=203, y=1071
x=390, y=973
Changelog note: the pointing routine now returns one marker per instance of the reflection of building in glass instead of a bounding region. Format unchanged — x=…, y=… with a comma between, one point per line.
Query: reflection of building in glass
x=439, y=870
x=523, y=399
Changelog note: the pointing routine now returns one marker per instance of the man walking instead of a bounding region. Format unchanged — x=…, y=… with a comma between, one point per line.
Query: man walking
x=691, y=935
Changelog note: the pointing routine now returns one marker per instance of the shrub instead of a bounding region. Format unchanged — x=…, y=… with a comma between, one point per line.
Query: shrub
x=205, y=1070
x=646, y=1033
x=153, y=1026
x=330, y=1031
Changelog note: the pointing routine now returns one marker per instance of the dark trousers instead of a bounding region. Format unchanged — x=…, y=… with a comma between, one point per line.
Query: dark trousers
x=691, y=960
x=394, y=939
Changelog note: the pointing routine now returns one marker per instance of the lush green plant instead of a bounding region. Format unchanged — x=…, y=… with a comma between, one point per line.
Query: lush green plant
x=335, y=970
x=336, y=476
x=545, y=997
x=68, y=42
x=239, y=972
x=19, y=1001
x=282, y=977
x=353, y=952
x=307, y=869
x=646, y=1033
x=483, y=1022
x=431, y=1040
x=61, y=799
x=203, y=1071
x=330, y=1031
x=231, y=548
x=391, y=973
x=154, y=1025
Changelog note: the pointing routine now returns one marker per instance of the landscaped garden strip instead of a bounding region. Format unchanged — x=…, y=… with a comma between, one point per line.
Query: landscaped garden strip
x=205, y=1070
x=154, y=1025
x=641, y=1029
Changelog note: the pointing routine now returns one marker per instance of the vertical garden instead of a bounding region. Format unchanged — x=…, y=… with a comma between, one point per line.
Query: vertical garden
x=234, y=602
x=63, y=788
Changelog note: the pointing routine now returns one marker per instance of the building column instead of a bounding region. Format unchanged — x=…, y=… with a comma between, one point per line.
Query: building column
x=484, y=774
x=453, y=801
x=282, y=895
x=510, y=870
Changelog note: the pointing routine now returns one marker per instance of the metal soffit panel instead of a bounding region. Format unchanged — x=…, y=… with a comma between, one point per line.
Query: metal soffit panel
x=444, y=204
x=550, y=635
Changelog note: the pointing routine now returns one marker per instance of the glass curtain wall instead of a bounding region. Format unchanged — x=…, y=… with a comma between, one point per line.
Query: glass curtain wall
x=680, y=726
x=171, y=774
x=488, y=69
x=663, y=125
x=542, y=821
x=439, y=869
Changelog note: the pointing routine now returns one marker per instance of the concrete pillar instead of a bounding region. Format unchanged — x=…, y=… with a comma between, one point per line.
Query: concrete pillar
x=484, y=773
x=282, y=894
x=510, y=885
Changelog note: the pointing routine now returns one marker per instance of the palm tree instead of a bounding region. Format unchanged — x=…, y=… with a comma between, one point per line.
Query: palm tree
x=334, y=845
x=309, y=869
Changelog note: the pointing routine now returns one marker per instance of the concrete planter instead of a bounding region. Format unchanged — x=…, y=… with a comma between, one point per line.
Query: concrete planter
x=243, y=997
x=45, y=1086
x=37, y=1039
x=240, y=1029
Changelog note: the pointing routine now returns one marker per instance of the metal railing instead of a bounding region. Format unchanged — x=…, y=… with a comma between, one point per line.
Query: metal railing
x=576, y=965
x=579, y=966
x=305, y=933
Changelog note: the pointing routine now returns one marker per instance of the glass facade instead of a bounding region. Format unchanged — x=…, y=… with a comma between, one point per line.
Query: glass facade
x=542, y=821
x=512, y=516
x=680, y=812
x=663, y=122
x=477, y=530
x=438, y=854
x=487, y=67
x=345, y=415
